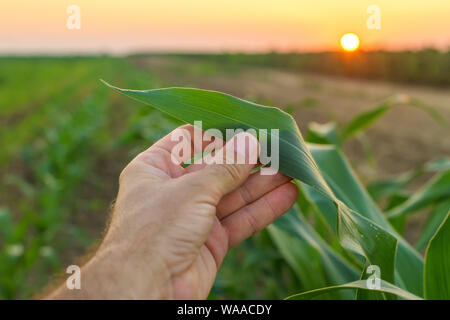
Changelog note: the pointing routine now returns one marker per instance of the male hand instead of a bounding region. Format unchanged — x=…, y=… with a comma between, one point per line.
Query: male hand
x=171, y=227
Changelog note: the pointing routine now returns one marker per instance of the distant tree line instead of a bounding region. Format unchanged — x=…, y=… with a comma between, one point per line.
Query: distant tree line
x=429, y=67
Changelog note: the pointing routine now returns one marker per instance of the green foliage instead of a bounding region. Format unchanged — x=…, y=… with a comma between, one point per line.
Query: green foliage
x=361, y=227
x=386, y=287
x=363, y=120
x=65, y=139
x=437, y=189
x=437, y=263
x=53, y=138
x=435, y=219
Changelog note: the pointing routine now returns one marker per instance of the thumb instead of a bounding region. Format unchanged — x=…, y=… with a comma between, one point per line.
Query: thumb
x=228, y=167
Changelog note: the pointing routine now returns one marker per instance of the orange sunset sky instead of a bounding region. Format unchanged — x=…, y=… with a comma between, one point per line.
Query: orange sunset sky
x=117, y=26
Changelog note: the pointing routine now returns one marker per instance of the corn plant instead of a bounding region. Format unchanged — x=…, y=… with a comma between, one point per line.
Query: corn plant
x=47, y=161
x=349, y=234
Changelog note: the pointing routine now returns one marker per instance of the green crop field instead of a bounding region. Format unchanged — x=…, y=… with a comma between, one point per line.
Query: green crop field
x=65, y=138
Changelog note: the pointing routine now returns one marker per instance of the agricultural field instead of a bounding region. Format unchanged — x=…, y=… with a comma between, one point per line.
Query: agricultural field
x=65, y=138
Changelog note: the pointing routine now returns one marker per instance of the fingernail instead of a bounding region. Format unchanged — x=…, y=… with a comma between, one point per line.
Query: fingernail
x=246, y=146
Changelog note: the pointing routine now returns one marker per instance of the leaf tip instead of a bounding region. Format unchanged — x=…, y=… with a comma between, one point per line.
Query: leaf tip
x=106, y=83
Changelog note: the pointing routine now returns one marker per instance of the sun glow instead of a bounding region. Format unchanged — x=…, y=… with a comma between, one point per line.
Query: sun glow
x=350, y=42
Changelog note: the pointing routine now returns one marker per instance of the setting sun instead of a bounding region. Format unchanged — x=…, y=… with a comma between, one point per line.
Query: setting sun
x=350, y=42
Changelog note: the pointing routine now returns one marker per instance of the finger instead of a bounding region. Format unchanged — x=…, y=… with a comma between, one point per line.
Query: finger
x=200, y=163
x=259, y=214
x=232, y=166
x=254, y=188
x=182, y=143
x=168, y=153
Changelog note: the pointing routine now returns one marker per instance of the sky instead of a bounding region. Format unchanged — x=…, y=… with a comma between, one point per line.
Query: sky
x=120, y=27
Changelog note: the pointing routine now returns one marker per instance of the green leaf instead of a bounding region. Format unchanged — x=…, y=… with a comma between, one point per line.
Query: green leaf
x=438, y=188
x=433, y=222
x=363, y=120
x=437, y=264
x=6, y=223
x=369, y=154
x=432, y=112
x=315, y=263
x=439, y=164
x=385, y=287
x=347, y=188
x=221, y=111
x=362, y=294
x=395, y=199
x=323, y=133
x=386, y=187
x=363, y=236
x=381, y=188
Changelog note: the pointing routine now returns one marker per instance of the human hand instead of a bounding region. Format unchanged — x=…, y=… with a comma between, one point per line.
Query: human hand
x=171, y=227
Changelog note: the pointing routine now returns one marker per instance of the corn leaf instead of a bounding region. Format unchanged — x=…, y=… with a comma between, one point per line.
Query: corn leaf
x=315, y=263
x=437, y=264
x=439, y=164
x=435, y=219
x=323, y=133
x=385, y=287
x=381, y=188
x=432, y=112
x=363, y=120
x=347, y=188
x=438, y=188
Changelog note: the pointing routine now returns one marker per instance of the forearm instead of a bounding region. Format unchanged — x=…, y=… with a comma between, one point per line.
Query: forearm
x=110, y=274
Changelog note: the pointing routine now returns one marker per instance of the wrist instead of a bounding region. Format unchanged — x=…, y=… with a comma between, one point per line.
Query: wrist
x=126, y=271
x=116, y=271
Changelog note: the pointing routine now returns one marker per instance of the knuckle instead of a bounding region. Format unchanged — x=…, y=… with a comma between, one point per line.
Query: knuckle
x=185, y=127
x=200, y=184
x=125, y=172
x=251, y=222
x=245, y=194
x=232, y=171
